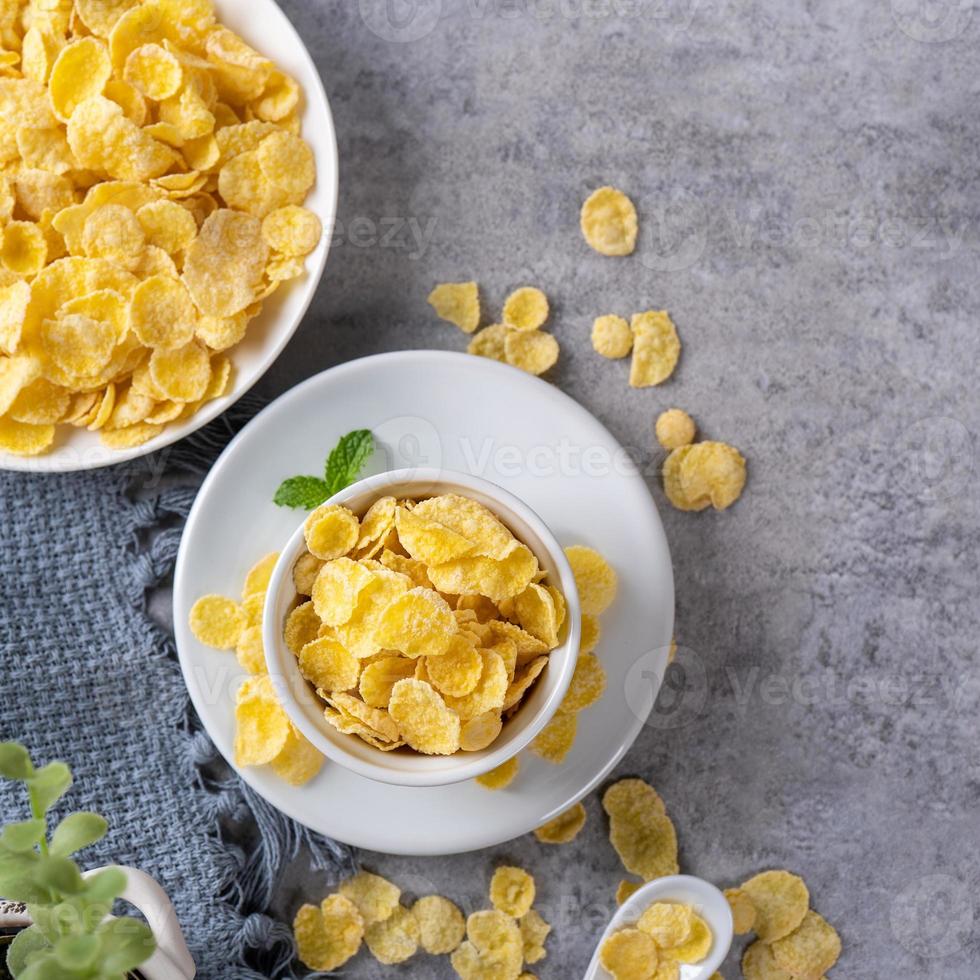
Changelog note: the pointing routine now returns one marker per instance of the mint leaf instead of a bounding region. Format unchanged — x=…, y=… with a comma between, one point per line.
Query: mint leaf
x=305, y=492
x=342, y=468
x=348, y=458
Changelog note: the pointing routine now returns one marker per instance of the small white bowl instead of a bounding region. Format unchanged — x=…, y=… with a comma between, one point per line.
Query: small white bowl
x=263, y=25
x=405, y=767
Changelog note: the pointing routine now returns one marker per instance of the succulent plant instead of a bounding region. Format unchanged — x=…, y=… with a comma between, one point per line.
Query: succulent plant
x=73, y=936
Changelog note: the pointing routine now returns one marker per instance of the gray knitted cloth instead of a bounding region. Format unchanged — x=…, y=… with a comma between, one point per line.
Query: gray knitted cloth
x=88, y=677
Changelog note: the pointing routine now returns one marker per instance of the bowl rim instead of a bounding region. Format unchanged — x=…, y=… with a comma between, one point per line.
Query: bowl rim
x=321, y=116
x=282, y=666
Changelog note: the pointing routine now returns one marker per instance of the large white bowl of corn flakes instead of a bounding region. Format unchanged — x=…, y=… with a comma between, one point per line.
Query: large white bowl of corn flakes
x=168, y=185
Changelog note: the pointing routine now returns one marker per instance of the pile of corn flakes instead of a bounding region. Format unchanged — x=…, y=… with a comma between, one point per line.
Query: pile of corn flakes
x=150, y=201
x=597, y=584
x=494, y=944
x=427, y=622
x=666, y=935
x=517, y=340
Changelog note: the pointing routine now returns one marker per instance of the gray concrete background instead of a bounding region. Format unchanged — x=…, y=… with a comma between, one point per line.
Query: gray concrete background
x=806, y=176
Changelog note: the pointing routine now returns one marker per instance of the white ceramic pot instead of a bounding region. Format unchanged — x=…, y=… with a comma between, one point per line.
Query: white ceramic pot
x=171, y=960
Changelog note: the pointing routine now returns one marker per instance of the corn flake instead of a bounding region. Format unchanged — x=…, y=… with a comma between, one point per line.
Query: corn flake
x=625, y=889
x=533, y=351
x=810, y=950
x=656, y=348
x=457, y=303
x=441, y=924
x=640, y=830
x=395, y=939
x=217, y=622
x=298, y=761
x=612, y=337
x=423, y=719
x=629, y=954
x=781, y=900
x=329, y=935
x=534, y=932
x=595, y=578
x=512, y=891
x=759, y=963
x=23, y=439
x=743, y=910
x=375, y=897
x=153, y=71
x=564, y=828
x=327, y=664
x=502, y=776
x=675, y=428
x=556, y=738
x=262, y=727
x=419, y=623
x=609, y=222
x=526, y=309
x=490, y=342
x=479, y=732
x=80, y=72
x=162, y=313
x=331, y=531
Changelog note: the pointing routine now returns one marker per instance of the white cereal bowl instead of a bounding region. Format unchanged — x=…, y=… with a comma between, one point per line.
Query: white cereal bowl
x=404, y=767
x=263, y=25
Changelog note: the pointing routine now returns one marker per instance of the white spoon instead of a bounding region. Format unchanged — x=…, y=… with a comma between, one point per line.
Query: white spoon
x=702, y=896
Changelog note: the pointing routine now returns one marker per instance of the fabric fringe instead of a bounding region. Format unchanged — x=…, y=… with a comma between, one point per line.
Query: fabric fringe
x=258, y=946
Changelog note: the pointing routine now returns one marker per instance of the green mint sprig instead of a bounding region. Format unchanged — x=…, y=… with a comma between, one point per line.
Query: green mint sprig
x=343, y=466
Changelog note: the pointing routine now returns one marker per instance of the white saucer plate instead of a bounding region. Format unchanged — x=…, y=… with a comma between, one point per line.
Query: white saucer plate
x=263, y=25
x=464, y=413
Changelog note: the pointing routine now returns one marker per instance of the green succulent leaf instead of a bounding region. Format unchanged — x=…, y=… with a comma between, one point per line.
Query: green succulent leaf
x=59, y=874
x=77, y=952
x=105, y=887
x=302, y=492
x=44, y=966
x=77, y=831
x=15, y=761
x=21, y=837
x=126, y=942
x=348, y=458
x=18, y=885
x=47, y=785
x=26, y=943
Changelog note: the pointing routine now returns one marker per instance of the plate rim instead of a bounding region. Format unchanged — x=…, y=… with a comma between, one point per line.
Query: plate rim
x=316, y=99
x=488, y=839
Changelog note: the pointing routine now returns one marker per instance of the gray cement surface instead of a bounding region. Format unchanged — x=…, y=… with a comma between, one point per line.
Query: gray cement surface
x=809, y=195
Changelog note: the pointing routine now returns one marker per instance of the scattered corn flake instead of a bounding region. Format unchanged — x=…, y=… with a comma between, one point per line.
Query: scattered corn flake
x=759, y=963
x=490, y=342
x=533, y=351
x=781, y=900
x=596, y=580
x=534, y=932
x=250, y=650
x=253, y=607
x=502, y=776
x=526, y=308
x=376, y=898
x=743, y=910
x=556, y=738
x=625, y=889
x=329, y=935
x=675, y=428
x=441, y=924
x=810, y=950
x=587, y=686
x=512, y=891
x=703, y=475
x=591, y=633
x=640, y=830
x=564, y=828
x=298, y=761
x=656, y=348
x=395, y=939
x=612, y=337
x=629, y=954
x=608, y=221
x=217, y=621
x=458, y=303
x=262, y=727
x=259, y=575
